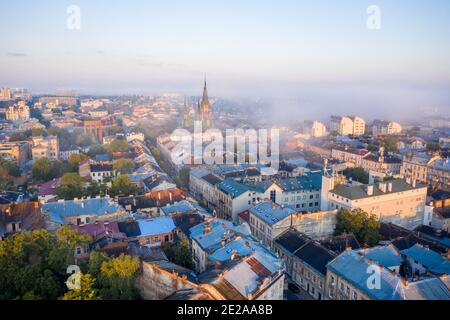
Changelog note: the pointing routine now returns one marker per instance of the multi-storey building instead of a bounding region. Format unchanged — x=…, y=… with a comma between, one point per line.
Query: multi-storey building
x=348, y=125
x=386, y=127
x=18, y=112
x=18, y=152
x=427, y=169
x=353, y=156
x=5, y=94
x=45, y=147
x=315, y=129
x=398, y=201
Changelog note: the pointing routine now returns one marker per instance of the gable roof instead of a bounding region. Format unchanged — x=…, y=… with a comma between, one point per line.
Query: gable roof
x=315, y=255
x=72, y=208
x=270, y=212
x=232, y=188
x=432, y=260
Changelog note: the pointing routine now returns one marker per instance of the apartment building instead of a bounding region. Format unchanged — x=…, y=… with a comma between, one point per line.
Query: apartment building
x=315, y=129
x=234, y=198
x=18, y=112
x=18, y=152
x=431, y=170
x=350, y=155
x=348, y=125
x=45, y=147
x=397, y=201
x=386, y=127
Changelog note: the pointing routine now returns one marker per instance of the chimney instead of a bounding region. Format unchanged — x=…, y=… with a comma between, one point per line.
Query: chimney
x=370, y=190
x=389, y=186
x=207, y=228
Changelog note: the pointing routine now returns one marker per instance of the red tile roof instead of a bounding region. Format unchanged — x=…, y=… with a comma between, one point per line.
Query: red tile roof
x=49, y=188
x=245, y=216
x=101, y=229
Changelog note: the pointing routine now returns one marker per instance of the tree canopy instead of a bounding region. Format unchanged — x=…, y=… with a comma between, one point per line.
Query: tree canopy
x=122, y=186
x=33, y=265
x=124, y=166
x=71, y=187
x=357, y=174
x=363, y=226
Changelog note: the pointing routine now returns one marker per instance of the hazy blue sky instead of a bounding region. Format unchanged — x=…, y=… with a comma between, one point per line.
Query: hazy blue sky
x=243, y=46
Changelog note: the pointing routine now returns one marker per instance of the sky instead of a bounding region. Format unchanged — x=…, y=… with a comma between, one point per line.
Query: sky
x=311, y=53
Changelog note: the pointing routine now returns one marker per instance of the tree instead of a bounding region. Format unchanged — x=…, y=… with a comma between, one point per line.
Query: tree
x=413, y=131
x=96, y=189
x=363, y=226
x=116, y=129
x=357, y=174
x=184, y=177
x=124, y=166
x=71, y=187
x=179, y=253
x=33, y=265
x=97, y=149
x=390, y=144
x=95, y=263
x=122, y=186
x=117, y=277
x=42, y=170
x=86, y=291
x=84, y=140
x=38, y=132
x=433, y=147
x=72, y=238
x=11, y=168
x=118, y=145
x=77, y=158
x=16, y=136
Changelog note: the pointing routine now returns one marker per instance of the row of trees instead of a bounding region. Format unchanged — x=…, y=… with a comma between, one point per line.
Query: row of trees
x=34, y=265
x=74, y=186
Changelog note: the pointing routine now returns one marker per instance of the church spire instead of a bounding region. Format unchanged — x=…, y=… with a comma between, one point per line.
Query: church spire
x=205, y=93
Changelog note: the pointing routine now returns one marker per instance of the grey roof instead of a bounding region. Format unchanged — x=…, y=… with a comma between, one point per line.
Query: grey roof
x=427, y=289
x=354, y=192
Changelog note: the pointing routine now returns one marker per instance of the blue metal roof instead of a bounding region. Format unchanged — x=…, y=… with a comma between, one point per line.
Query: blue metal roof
x=72, y=208
x=270, y=212
x=232, y=188
x=178, y=207
x=156, y=226
x=354, y=268
x=385, y=256
x=428, y=258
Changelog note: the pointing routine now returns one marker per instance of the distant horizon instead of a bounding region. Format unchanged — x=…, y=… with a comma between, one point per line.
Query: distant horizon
x=307, y=57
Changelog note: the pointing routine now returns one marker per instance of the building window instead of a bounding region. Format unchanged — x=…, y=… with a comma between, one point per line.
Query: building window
x=273, y=195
